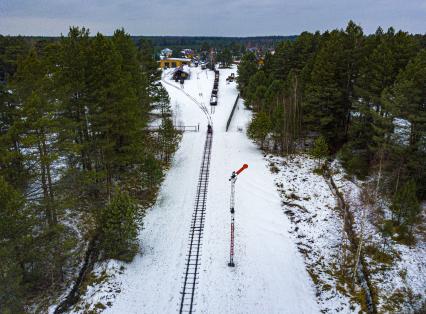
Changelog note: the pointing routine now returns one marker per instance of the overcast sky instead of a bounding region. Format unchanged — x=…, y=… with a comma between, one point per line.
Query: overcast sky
x=208, y=17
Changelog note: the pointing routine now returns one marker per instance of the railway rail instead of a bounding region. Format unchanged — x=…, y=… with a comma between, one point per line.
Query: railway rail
x=193, y=257
x=192, y=266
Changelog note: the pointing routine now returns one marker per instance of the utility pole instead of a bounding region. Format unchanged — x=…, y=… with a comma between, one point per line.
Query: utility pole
x=233, y=179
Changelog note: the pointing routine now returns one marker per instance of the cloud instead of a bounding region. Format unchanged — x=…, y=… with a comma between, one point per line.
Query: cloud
x=209, y=17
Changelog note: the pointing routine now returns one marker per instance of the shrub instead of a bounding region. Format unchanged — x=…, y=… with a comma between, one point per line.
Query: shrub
x=320, y=149
x=406, y=208
x=355, y=162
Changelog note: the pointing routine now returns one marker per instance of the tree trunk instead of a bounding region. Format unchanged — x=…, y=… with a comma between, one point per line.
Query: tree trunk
x=49, y=181
x=379, y=176
x=44, y=186
x=361, y=242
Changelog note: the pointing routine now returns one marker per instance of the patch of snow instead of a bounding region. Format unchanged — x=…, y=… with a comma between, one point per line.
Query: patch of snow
x=102, y=292
x=402, y=131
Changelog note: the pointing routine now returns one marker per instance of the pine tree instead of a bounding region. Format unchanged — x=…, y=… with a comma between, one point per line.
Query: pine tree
x=151, y=171
x=324, y=105
x=372, y=122
x=256, y=91
x=11, y=159
x=353, y=43
x=11, y=48
x=140, y=67
x=14, y=231
x=407, y=99
x=38, y=127
x=283, y=104
x=119, y=225
x=294, y=55
x=111, y=101
x=405, y=205
x=224, y=57
x=71, y=79
x=162, y=102
x=150, y=72
x=259, y=128
x=320, y=149
x=168, y=138
x=12, y=166
x=246, y=70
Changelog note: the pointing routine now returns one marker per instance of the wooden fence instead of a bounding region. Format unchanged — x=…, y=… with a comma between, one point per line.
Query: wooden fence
x=232, y=113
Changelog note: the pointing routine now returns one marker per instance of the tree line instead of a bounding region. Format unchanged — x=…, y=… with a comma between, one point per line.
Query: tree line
x=77, y=163
x=362, y=97
x=197, y=42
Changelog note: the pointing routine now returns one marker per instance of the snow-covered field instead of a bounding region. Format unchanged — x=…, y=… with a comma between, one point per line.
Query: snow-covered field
x=270, y=275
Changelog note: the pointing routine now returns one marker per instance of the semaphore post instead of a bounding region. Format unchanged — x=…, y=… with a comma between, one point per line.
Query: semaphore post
x=233, y=179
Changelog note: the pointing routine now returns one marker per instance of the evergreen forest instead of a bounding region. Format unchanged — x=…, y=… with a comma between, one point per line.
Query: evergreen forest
x=345, y=94
x=78, y=165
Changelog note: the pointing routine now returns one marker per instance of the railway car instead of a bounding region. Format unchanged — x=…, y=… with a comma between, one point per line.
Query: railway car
x=213, y=100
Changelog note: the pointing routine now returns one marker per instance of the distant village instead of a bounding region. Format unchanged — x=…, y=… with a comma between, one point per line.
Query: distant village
x=205, y=58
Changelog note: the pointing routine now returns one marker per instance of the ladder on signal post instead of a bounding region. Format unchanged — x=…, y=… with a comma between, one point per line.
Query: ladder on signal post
x=233, y=179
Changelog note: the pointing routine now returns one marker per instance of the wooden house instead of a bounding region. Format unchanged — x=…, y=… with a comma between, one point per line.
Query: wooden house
x=173, y=62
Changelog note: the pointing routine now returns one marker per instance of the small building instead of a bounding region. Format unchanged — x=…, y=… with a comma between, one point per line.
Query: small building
x=166, y=53
x=181, y=73
x=173, y=62
x=188, y=53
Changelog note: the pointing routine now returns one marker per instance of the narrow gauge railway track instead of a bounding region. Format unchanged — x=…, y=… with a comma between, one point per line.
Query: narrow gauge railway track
x=199, y=104
x=191, y=272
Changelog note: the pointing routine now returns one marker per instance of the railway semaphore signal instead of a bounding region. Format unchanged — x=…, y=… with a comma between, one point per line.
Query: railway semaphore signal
x=233, y=179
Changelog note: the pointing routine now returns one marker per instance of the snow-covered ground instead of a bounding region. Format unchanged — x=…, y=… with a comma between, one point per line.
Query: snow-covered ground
x=316, y=226
x=288, y=228
x=317, y=229
x=401, y=284
x=270, y=275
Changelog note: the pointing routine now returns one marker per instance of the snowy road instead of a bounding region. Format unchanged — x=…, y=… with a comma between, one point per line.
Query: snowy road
x=269, y=276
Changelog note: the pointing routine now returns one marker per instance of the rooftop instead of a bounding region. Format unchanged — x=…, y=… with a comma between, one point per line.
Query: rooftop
x=177, y=59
